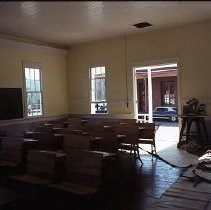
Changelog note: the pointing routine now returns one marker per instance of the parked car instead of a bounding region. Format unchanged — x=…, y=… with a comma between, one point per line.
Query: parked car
x=166, y=112
x=101, y=109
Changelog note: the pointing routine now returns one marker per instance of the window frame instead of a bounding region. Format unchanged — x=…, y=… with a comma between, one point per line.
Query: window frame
x=90, y=80
x=32, y=65
x=167, y=85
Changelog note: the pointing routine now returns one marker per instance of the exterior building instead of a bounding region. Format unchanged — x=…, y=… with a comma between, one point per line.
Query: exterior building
x=164, y=88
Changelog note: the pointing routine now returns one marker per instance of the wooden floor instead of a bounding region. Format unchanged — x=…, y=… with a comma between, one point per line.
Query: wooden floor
x=136, y=187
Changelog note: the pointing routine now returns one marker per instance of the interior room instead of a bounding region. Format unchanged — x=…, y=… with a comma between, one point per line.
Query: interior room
x=69, y=68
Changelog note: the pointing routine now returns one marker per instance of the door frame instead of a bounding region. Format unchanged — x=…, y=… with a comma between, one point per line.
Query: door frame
x=154, y=63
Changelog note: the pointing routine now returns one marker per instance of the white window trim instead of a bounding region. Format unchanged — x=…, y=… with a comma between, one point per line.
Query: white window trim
x=90, y=85
x=35, y=65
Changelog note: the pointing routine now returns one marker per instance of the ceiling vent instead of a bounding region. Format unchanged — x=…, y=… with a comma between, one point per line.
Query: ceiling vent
x=142, y=25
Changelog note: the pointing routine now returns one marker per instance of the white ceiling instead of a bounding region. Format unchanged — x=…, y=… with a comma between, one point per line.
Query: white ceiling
x=73, y=22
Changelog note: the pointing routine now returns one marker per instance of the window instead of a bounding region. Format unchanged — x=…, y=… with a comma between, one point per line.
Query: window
x=33, y=90
x=168, y=93
x=98, y=90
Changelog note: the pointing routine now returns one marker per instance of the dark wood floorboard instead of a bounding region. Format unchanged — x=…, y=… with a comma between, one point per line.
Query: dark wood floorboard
x=136, y=187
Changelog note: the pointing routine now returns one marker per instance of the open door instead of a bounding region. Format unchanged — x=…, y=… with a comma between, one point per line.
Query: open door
x=155, y=86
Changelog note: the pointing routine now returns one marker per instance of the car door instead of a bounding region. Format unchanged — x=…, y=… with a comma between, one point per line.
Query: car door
x=158, y=113
x=166, y=113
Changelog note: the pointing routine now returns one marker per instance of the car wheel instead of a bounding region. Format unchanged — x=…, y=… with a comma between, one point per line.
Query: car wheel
x=173, y=119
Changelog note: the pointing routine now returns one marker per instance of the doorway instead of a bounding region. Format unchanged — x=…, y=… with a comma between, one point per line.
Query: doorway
x=156, y=97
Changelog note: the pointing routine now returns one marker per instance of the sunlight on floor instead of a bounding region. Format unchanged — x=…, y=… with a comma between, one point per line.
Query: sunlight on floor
x=166, y=136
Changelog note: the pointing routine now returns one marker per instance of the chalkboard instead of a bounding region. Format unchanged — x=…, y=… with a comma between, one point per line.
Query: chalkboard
x=11, y=103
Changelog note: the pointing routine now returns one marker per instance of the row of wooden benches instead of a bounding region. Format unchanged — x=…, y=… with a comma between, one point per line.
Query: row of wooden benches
x=81, y=172
x=81, y=147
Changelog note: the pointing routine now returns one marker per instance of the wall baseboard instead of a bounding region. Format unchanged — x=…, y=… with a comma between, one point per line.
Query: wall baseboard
x=19, y=126
x=31, y=120
x=106, y=116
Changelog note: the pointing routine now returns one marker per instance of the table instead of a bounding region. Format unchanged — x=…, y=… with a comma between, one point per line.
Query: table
x=29, y=141
x=29, y=144
x=58, y=154
x=48, y=124
x=187, y=121
x=57, y=130
x=29, y=134
x=105, y=155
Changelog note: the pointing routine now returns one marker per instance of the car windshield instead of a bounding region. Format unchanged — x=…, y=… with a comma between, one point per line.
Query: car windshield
x=160, y=109
x=165, y=109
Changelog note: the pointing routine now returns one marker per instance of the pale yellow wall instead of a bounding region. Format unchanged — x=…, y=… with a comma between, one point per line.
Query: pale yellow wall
x=190, y=45
x=53, y=75
x=109, y=53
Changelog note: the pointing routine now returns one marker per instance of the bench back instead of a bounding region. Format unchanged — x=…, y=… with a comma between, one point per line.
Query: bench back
x=84, y=167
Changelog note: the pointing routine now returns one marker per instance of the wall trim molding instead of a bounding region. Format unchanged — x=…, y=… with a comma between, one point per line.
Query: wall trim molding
x=13, y=44
x=104, y=116
x=31, y=120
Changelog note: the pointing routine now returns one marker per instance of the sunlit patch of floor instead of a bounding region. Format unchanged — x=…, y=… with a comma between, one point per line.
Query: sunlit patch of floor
x=166, y=136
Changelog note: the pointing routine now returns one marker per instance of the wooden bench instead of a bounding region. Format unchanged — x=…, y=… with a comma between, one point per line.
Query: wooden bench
x=84, y=173
x=41, y=169
x=11, y=152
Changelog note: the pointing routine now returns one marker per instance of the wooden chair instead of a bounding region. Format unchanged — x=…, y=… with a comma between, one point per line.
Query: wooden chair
x=76, y=141
x=109, y=142
x=128, y=136
x=147, y=135
x=48, y=141
x=94, y=129
x=75, y=123
x=72, y=132
x=84, y=173
x=43, y=128
x=50, y=128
